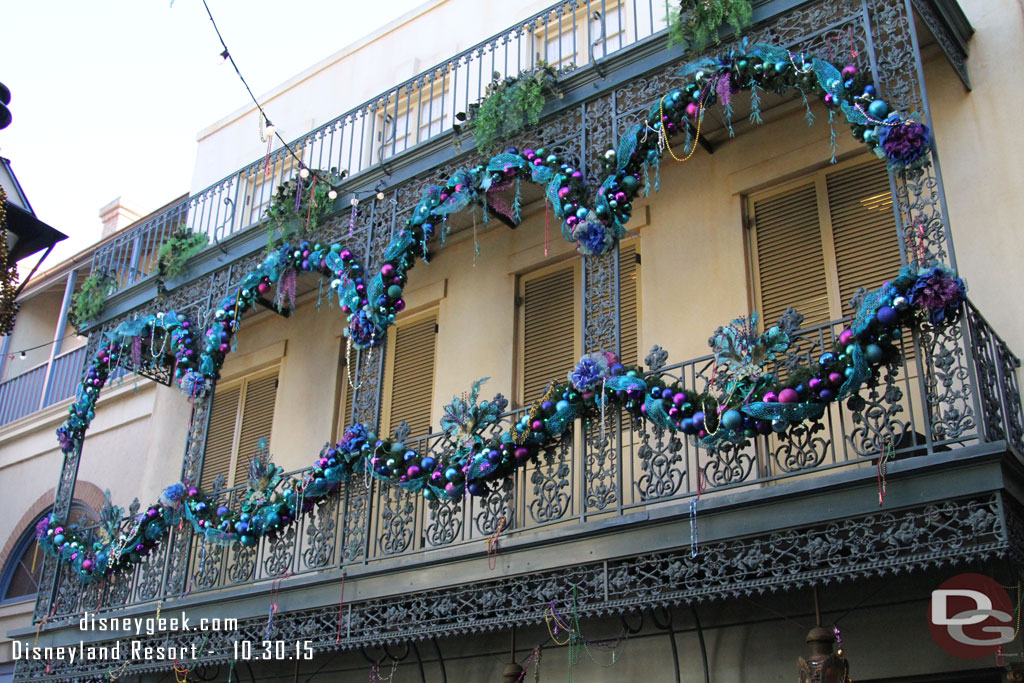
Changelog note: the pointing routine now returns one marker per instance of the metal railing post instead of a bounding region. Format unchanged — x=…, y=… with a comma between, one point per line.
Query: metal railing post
x=58, y=336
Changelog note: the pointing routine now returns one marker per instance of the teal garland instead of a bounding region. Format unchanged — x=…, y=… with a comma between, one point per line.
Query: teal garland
x=752, y=403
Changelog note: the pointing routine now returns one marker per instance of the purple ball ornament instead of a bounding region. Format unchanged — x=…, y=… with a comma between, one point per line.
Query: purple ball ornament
x=887, y=316
x=826, y=395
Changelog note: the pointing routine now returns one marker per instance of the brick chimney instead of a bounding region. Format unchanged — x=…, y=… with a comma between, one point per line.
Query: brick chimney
x=118, y=214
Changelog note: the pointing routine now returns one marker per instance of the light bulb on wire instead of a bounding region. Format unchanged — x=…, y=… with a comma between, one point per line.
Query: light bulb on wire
x=304, y=173
x=332, y=195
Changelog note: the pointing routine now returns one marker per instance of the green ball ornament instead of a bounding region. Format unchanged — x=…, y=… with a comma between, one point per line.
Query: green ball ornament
x=395, y=292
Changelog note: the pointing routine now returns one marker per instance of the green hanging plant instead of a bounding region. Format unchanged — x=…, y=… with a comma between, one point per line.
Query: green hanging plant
x=698, y=21
x=509, y=105
x=315, y=201
x=175, y=253
x=90, y=300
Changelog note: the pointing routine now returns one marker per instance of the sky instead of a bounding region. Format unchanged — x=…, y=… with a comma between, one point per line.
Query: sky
x=107, y=96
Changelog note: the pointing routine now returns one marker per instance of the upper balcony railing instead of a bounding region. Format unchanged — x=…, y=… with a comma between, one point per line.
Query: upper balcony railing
x=568, y=35
x=958, y=389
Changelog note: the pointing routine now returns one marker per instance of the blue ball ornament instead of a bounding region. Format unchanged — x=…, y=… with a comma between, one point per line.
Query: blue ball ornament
x=878, y=110
x=779, y=426
x=562, y=405
x=686, y=426
x=732, y=419
x=427, y=464
x=826, y=358
x=873, y=353
x=451, y=474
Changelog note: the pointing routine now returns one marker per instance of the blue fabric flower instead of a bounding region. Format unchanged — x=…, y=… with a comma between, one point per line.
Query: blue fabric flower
x=592, y=238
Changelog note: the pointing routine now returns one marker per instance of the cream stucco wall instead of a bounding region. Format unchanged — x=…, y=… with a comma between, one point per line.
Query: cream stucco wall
x=981, y=148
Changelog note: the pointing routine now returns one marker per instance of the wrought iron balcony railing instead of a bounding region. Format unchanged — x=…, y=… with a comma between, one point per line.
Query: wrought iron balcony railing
x=927, y=406
x=569, y=35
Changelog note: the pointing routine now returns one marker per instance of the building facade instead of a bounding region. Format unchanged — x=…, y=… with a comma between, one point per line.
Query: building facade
x=624, y=552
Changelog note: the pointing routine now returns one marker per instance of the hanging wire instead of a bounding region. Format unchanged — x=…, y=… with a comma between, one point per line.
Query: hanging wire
x=227, y=55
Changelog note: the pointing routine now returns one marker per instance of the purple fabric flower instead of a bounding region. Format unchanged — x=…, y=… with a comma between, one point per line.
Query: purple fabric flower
x=904, y=144
x=353, y=439
x=939, y=293
x=66, y=438
x=42, y=526
x=363, y=331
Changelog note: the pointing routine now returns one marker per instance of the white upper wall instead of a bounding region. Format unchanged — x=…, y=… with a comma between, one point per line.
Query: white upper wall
x=424, y=37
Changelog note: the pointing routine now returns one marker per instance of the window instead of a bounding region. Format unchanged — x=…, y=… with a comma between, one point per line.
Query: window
x=566, y=41
x=410, y=374
x=241, y=415
x=815, y=241
x=421, y=112
x=260, y=186
x=549, y=327
x=19, y=579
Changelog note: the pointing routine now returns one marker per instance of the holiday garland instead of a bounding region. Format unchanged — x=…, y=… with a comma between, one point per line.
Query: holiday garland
x=697, y=21
x=751, y=400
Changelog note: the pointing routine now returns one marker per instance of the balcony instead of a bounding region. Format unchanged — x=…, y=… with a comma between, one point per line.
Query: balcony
x=621, y=473
x=42, y=386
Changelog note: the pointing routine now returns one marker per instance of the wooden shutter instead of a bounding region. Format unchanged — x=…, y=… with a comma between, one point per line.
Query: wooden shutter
x=257, y=421
x=550, y=347
x=629, y=273
x=863, y=229
x=412, y=379
x=790, y=259
x=220, y=437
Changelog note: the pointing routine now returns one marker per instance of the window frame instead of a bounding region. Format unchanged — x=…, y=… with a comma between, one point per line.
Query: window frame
x=432, y=311
x=242, y=383
x=572, y=261
x=21, y=547
x=819, y=179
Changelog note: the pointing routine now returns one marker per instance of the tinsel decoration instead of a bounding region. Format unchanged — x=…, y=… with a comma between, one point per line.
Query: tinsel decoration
x=8, y=275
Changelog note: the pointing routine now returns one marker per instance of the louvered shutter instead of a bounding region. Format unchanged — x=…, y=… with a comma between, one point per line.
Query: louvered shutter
x=550, y=347
x=220, y=437
x=257, y=421
x=863, y=229
x=629, y=272
x=412, y=383
x=790, y=259
x=346, y=401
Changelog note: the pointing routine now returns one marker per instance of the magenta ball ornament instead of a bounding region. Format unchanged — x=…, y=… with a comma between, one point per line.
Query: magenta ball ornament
x=413, y=472
x=835, y=378
x=788, y=395
x=845, y=337
x=770, y=397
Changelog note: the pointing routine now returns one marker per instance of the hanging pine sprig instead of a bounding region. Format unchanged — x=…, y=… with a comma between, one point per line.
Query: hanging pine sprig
x=697, y=22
